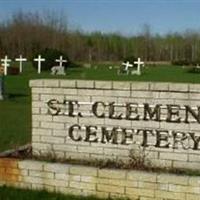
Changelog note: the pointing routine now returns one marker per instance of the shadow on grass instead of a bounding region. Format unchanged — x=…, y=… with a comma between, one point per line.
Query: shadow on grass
x=14, y=96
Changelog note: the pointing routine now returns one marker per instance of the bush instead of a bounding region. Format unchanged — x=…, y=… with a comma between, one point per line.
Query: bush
x=181, y=62
x=185, y=62
x=13, y=70
x=50, y=56
x=131, y=59
x=195, y=70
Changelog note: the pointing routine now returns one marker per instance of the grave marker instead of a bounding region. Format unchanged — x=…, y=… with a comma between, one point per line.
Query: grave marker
x=61, y=61
x=59, y=70
x=6, y=64
x=127, y=65
x=20, y=60
x=39, y=60
x=139, y=63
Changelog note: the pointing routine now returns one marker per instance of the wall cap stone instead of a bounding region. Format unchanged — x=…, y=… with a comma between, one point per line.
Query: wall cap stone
x=116, y=85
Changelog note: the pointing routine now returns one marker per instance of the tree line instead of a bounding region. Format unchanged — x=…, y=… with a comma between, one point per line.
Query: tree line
x=29, y=33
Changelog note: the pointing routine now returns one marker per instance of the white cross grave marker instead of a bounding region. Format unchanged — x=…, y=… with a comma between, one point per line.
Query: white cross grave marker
x=39, y=60
x=61, y=61
x=6, y=64
x=139, y=64
x=127, y=65
x=20, y=60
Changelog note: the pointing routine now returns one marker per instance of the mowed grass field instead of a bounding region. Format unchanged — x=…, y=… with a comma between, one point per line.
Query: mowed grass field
x=7, y=193
x=15, y=110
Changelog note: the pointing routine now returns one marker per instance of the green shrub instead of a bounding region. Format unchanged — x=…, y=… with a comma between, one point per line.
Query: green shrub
x=181, y=62
x=50, y=56
x=131, y=59
x=195, y=70
x=186, y=62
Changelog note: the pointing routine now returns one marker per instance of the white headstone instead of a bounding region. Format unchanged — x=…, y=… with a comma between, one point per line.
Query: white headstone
x=6, y=64
x=61, y=61
x=57, y=70
x=20, y=60
x=127, y=65
x=39, y=60
x=139, y=63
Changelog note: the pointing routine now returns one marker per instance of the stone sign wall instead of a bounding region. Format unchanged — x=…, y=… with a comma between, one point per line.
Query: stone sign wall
x=105, y=119
x=103, y=183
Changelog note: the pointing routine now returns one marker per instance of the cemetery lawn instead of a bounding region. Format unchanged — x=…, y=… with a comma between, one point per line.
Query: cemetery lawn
x=8, y=193
x=15, y=110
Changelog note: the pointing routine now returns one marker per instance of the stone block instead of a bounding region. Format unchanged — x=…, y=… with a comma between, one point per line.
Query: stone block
x=83, y=171
x=159, y=86
x=65, y=147
x=103, y=84
x=40, y=131
x=178, y=87
x=113, y=174
x=121, y=85
x=68, y=83
x=194, y=181
x=52, y=140
x=138, y=192
x=52, y=125
x=51, y=83
x=41, y=146
x=85, y=84
x=117, y=93
x=41, y=174
x=55, y=182
x=172, y=179
x=141, y=176
x=110, y=188
x=44, y=118
x=192, y=196
x=31, y=165
x=118, y=182
x=38, y=90
x=35, y=97
x=81, y=185
x=56, y=168
x=36, y=83
x=173, y=156
x=61, y=176
x=170, y=195
x=33, y=180
x=36, y=111
x=140, y=86
x=71, y=91
x=90, y=92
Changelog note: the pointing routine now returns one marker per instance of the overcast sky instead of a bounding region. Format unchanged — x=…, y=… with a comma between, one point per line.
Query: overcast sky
x=124, y=16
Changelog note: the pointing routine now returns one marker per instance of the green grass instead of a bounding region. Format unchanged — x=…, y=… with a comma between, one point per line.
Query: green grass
x=8, y=193
x=15, y=110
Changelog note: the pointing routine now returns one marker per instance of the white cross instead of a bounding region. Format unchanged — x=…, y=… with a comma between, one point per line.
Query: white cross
x=6, y=64
x=61, y=61
x=139, y=63
x=20, y=60
x=39, y=60
x=127, y=65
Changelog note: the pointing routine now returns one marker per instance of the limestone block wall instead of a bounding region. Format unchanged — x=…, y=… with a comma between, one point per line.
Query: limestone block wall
x=82, y=180
x=107, y=119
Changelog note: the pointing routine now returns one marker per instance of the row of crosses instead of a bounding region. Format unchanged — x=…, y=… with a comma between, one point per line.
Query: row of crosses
x=139, y=63
x=39, y=59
